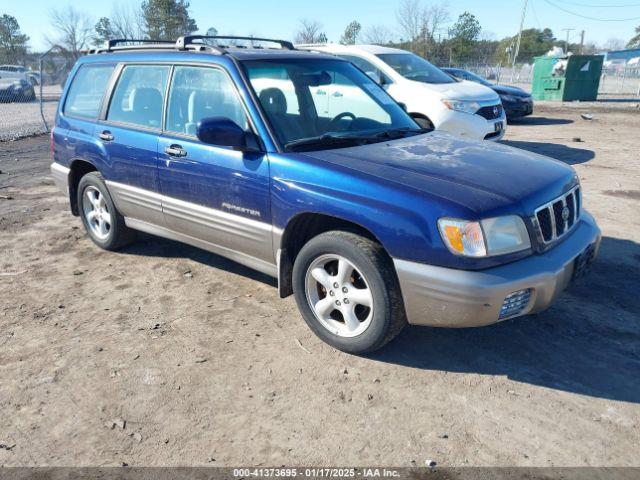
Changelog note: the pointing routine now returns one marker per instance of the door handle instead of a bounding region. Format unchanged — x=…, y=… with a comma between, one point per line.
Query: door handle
x=106, y=136
x=175, y=151
x=338, y=94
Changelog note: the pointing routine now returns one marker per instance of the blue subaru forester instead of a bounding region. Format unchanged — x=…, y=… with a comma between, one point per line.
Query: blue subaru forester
x=371, y=222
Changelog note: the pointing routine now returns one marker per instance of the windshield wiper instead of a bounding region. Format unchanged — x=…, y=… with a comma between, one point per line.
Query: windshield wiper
x=327, y=140
x=323, y=140
x=393, y=133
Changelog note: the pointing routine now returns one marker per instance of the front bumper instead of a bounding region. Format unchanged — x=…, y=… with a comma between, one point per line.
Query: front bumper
x=445, y=297
x=469, y=125
x=518, y=109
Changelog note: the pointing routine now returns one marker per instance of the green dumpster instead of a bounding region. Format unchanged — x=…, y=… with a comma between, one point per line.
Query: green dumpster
x=576, y=77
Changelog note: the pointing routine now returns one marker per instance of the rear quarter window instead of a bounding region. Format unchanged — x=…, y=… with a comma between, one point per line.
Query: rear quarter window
x=87, y=89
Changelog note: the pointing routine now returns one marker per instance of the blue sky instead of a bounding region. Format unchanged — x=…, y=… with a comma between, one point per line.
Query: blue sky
x=280, y=18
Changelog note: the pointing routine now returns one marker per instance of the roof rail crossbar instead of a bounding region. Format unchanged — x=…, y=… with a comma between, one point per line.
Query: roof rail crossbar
x=182, y=42
x=311, y=45
x=117, y=44
x=113, y=42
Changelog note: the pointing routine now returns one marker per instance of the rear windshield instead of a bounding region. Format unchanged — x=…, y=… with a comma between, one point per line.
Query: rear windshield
x=415, y=68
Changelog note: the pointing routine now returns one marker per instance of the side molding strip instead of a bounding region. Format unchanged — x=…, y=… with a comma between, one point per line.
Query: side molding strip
x=247, y=241
x=246, y=260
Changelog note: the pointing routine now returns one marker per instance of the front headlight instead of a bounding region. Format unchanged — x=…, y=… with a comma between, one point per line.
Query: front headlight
x=509, y=98
x=467, y=106
x=484, y=238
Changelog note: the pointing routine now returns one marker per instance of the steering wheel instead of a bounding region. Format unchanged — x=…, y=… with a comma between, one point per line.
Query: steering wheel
x=333, y=124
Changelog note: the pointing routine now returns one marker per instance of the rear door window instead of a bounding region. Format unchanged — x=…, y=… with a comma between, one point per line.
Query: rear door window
x=86, y=90
x=201, y=92
x=138, y=96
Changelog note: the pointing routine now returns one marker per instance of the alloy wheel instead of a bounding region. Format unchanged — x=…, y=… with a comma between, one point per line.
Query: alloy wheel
x=96, y=213
x=339, y=295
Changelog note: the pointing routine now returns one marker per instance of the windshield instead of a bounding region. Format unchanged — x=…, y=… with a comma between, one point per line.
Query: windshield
x=472, y=77
x=323, y=103
x=415, y=68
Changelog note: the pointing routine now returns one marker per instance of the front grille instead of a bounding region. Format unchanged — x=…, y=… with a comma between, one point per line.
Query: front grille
x=554, y=219
x=490, y=112
x=515, y=303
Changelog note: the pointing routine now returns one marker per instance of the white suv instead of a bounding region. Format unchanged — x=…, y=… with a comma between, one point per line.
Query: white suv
x=432, y=97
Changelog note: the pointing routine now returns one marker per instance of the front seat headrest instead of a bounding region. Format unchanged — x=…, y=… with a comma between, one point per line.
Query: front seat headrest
x=273, y=101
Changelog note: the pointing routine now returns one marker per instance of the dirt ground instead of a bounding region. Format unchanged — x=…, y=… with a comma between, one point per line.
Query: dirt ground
x=163, y=354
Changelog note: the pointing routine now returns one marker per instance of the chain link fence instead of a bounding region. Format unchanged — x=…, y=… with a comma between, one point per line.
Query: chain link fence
x=620, y=81
x=30, y=110
x=616, y=82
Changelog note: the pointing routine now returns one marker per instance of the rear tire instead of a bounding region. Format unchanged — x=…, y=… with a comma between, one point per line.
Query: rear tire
x=346, y=288
x=100, y=217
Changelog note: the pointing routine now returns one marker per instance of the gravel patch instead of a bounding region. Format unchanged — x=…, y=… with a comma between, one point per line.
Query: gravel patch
x=19, y=120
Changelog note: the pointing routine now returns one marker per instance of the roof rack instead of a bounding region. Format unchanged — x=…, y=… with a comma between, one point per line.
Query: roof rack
x=133, y=44
x=112, y=43
x=311, y=45
x=183, y=42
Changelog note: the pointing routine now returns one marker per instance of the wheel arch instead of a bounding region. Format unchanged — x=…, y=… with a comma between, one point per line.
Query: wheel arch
x=77, y=169
x=422, y=116
x=310, y=224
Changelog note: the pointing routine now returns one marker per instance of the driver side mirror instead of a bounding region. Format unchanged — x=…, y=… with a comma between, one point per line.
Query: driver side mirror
x=224, y=132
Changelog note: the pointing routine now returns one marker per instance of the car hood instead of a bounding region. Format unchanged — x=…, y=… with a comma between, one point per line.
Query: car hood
x=507, y=90
x=477, y=175
x=463, y=91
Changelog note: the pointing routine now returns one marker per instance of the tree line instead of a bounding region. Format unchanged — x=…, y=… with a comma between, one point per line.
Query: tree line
x=425, y=29
x=428, y=31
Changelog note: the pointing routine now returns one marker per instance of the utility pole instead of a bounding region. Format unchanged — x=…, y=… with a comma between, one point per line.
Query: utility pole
x=515, y=54
x=581, y=42
x=566, y=44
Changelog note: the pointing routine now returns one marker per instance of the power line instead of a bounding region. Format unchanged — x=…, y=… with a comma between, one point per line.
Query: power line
x=589, y=5
x=535, y=15
x=591, y=18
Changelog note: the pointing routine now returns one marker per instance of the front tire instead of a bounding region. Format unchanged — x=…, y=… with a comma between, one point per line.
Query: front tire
x=347, y=291
x=102, y=221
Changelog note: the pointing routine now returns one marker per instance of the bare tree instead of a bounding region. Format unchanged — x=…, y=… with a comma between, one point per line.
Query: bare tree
x=435, y=17
x=126, y=20
x=377, y=35
x=73, y=30
x=410, y=19
x=614, y=44
x=419, y=24
x=310, y=31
